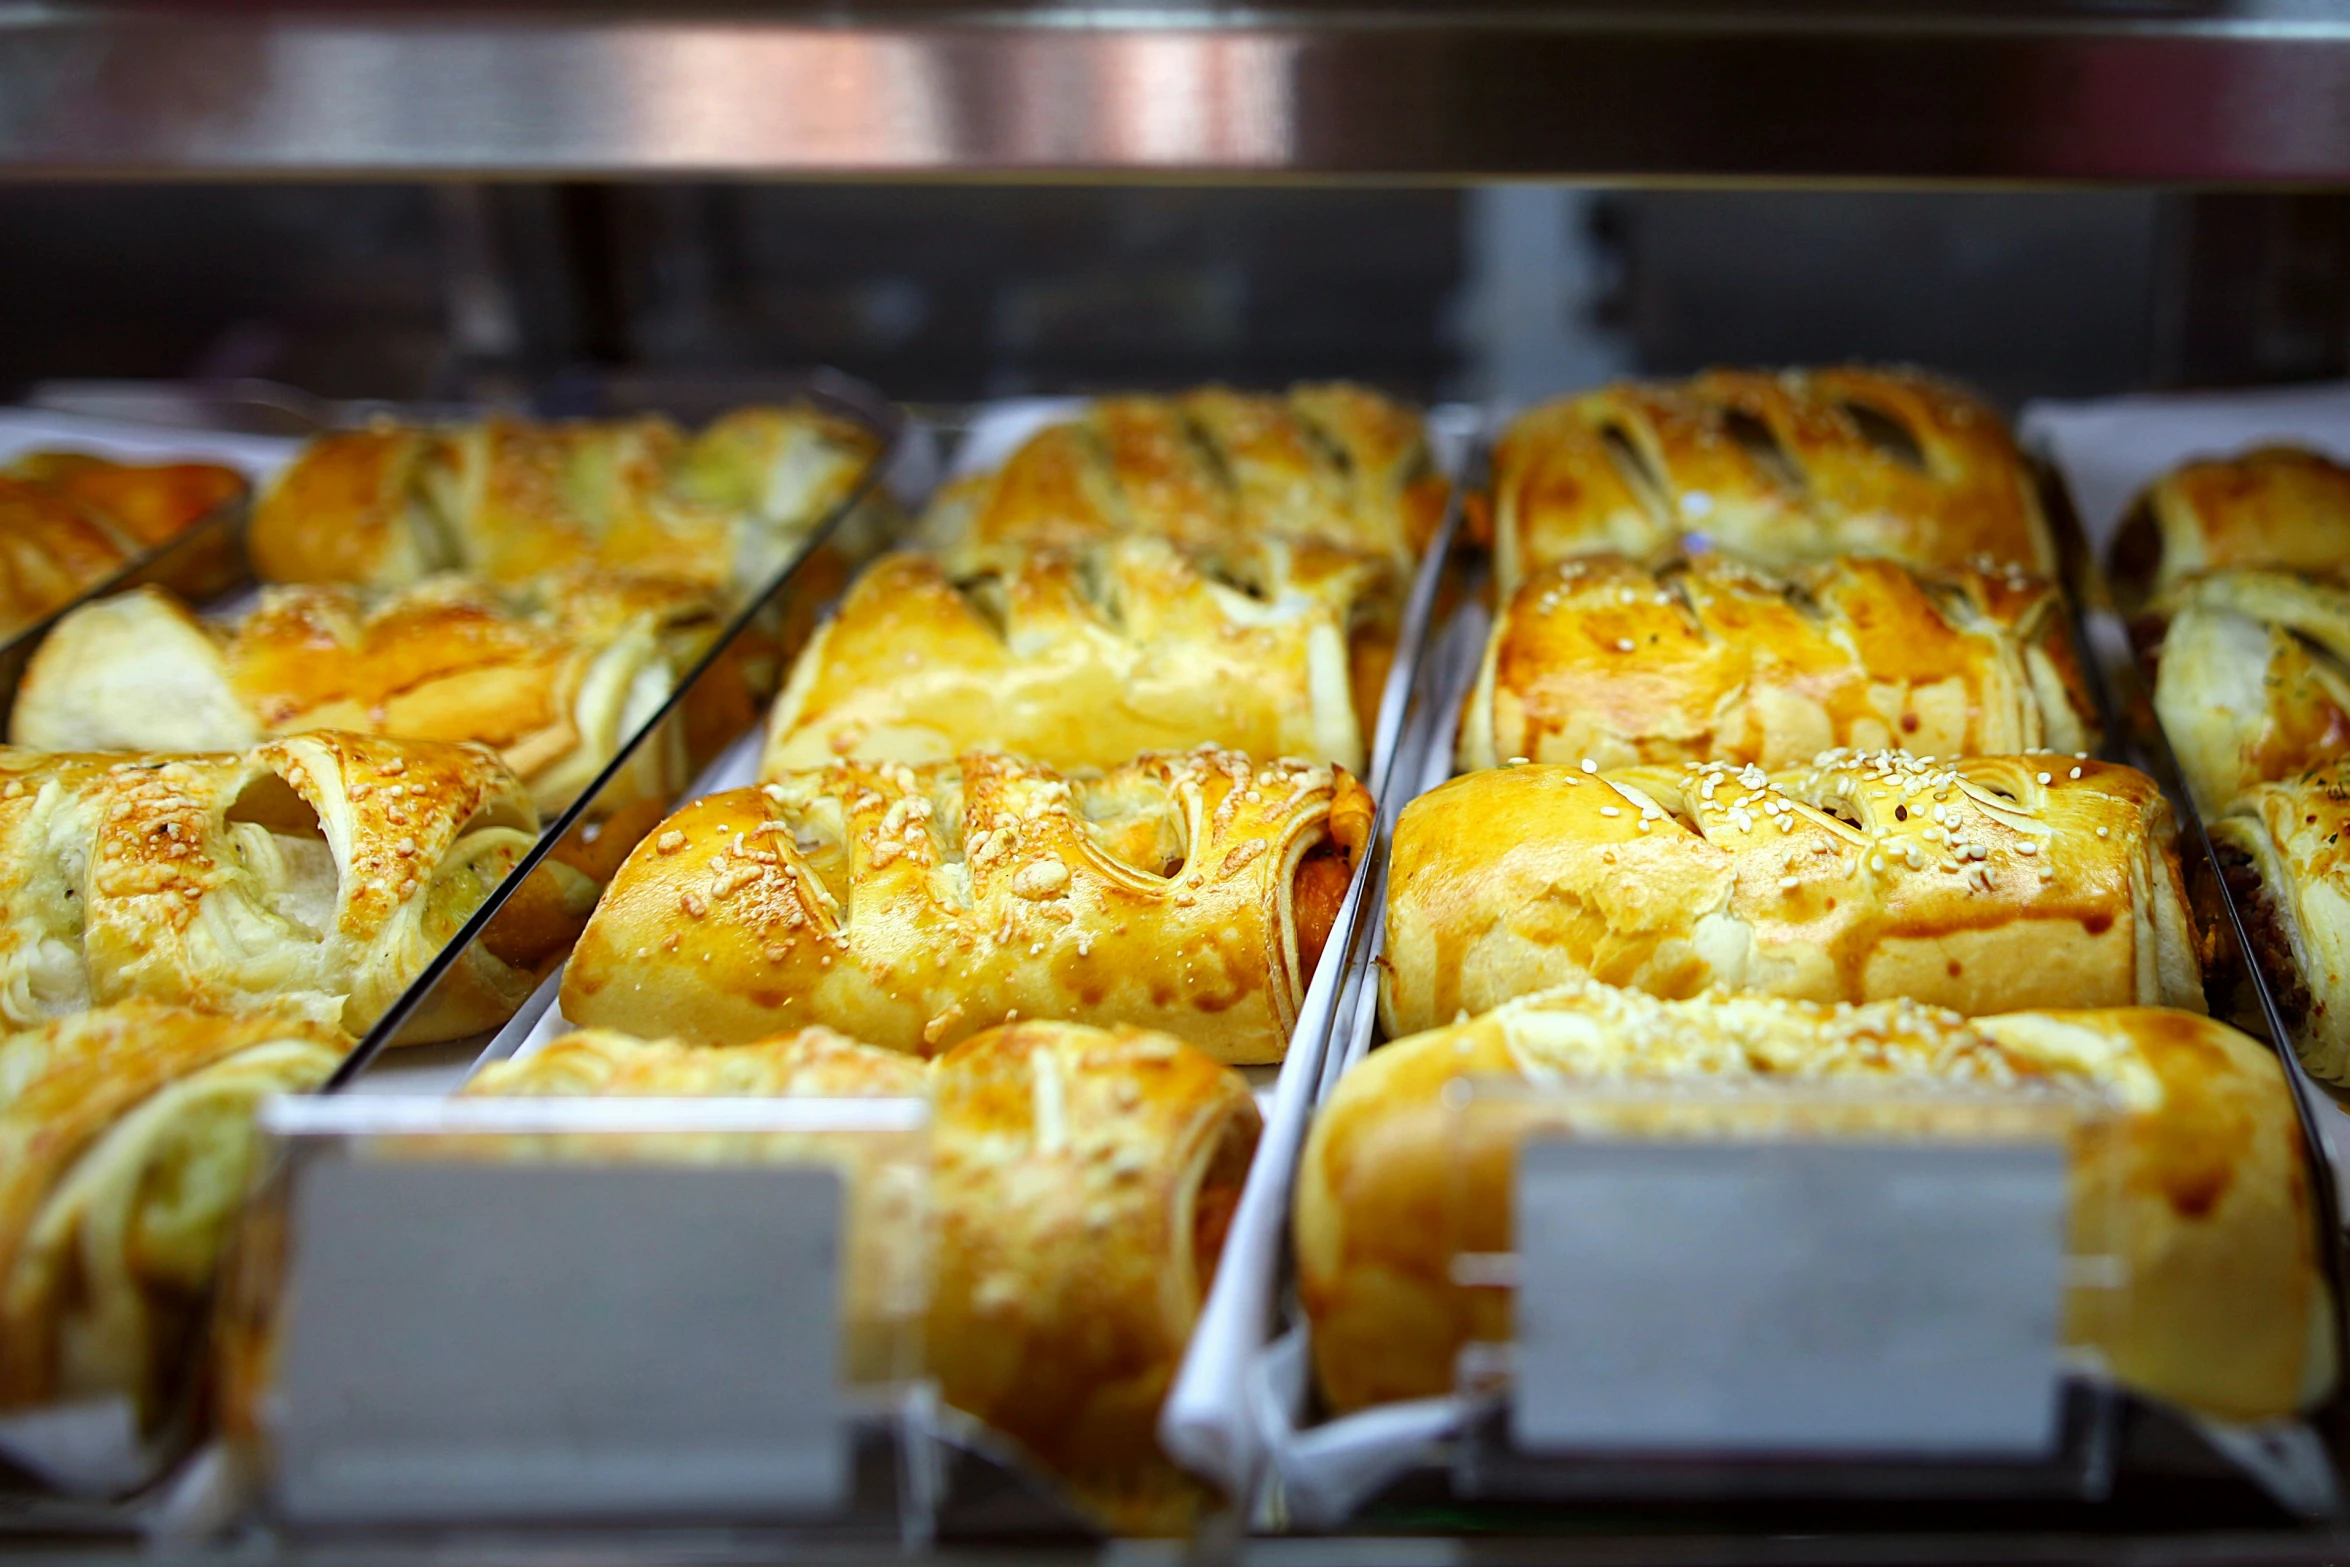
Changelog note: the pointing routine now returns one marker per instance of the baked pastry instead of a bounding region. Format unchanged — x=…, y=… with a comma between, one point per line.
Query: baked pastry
x=2276, y=507
x=1083, y=1182
x=1078, y=661
x=912, y=907
x=1773, y=468
x=69, y=522
x=2280, y=849
x=558, y=677
x=322, y=870
x=509, y=500
x=1712, y=660
x=1214, y=471
x=2207, y=1191
x=126, y=1139
x=2250, y=681
x=1982, y=885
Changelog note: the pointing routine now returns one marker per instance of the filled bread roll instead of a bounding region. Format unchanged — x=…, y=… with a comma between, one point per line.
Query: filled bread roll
x=323, y=871
x=2280, y=849
x=1079, y=661
x=913, y=907
x=557, y=677
x=69, y=522
x=1709, y=660
x=2252, y=678
x=2276, y=507
x=1981, y=885
x=2227, y=1308
x=511, y=500
x=1773, y=468
x=1083, y=1181
x=1214, y=471
x=126, y=1142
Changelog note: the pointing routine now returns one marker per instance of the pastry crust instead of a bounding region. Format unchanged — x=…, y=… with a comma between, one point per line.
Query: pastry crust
x=2291, y=877
x=1216, y=472
x=1078, y=661
x=322, y=871
x=2278, y=507
x=1711, y=660
x=69, y=521
x=1083, y=1179
x=510, y=500
x=126, y=1140
x=1773, y=468
x=2252, y=679
x=556, y=677
x=913, y=907
x=2229, y=1313
x=1982, y=885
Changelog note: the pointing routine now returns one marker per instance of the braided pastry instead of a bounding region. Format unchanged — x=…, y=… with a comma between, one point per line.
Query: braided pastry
x=68, y=522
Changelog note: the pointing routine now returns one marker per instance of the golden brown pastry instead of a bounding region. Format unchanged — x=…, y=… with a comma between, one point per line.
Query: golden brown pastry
x=2229, y=1317
x=323, y=871
x=1981, y=884
x=69, y=521
x=510, y=500
x=2276, y=507
x=2281, y=851
x=1078, y=661
x=1084, y=1179
x=2250, y=678
x=1214, y=471
x=912, y=907
x=1796, y=466
x=557, y=677
x=1711, y=660
x=126, y=1141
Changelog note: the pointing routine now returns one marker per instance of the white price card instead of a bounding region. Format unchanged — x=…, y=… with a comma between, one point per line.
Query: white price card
x=482, y=1341
x=1776, y=1299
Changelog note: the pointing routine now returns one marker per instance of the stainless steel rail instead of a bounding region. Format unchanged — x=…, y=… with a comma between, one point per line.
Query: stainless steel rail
x=2063, y=90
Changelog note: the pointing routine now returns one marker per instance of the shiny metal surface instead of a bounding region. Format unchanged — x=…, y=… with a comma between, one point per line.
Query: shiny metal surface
x=2223, y=90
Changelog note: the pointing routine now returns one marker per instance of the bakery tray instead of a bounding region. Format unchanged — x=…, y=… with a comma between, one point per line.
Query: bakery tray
x=2144, y=1460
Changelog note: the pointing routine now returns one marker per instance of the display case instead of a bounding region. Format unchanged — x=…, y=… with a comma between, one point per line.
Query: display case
x=1576, y=956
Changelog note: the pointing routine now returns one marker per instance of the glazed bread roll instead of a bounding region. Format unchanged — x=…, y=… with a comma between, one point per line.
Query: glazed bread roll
x=1078, y=661
x=2280, y=849
x=68, y=522
x=510, y=500
x=126, y=1142
x=2250, y=679
x=1980, y=885
x=912, y=907
x=2276, y=507
x=2229, y=1313
x=1796, y=466
x=1083, y=1182
x=1708, y=660
x=556, y=677
x=322, y=871
x=1214, y=471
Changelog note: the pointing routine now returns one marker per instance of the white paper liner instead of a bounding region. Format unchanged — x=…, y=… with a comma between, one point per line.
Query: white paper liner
x=25, y=430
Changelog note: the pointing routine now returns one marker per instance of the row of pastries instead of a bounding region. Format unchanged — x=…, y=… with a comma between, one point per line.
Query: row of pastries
x=1777, y=764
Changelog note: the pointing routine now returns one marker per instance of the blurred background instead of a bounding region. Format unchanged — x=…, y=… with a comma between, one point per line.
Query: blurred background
x=950, y=292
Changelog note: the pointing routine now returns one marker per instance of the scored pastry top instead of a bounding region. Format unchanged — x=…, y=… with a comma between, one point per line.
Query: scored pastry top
x=1079, y=660
x=1775, y=468
x=1214, y=471
x=913, y=906
x=1709, y=659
